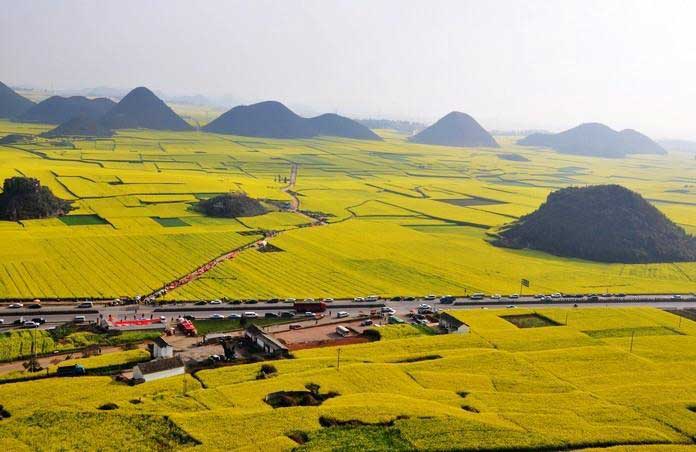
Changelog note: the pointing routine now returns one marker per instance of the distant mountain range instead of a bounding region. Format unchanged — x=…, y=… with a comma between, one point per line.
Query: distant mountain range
x=408, y=127
x=11, y=103
x=455, y=129
x=80, y=126
x=679, y=145
x=141, y=108
x=57, y=109
x=271, y=119
x=597, y=140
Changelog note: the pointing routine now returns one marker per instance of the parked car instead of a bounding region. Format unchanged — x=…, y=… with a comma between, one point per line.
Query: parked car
x=274, y=300
x=556, y=295
x=342, y=314
x=271, y=315
x=295, y=326
x=397, y=298
x=34, y=306
x=409, y=298
x=676, y=297
x=2, y=321
x=514, y=296
x=366, y=322
x=217, y=317
x=328, y=300
x=496, y=296
x=18, y=321
x=309, y=314
x=85, y=304
x=511, y=306
x=359, y=299
x=79, y=319
x=430, y=297
x=287, y=314
x=200, y=303
x=190, y=317
x=30, y=324
x=290, y=300
x=372, y=298
x=234, y=316
x=39, y=320
x=216, y=302
x=250, y=315
x=15, y=305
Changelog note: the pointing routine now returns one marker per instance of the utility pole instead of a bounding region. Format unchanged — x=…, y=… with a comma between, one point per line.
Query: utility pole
x=633, y=334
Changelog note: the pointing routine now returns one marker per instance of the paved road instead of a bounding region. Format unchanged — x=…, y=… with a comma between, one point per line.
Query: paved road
x=56, y=315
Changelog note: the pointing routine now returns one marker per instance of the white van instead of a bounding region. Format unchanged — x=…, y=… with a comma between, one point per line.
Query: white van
x=342, y=330
x=80, y=319
x=341, y=314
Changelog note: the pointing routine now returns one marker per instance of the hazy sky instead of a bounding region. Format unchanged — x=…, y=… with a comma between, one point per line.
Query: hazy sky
x=511, y=64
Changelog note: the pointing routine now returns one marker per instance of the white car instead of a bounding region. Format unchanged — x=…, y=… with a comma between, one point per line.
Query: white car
x=430, y=297
x=372, y=297
x=290, y=300
x=234, y=316
x=163, y=319
x=30, y=324
x=342, y=314
x=496, y=296
x=514, y=296
x=309, y=314
x=359, y=299
x=216, y=302
x=250, y=315
x=309, y=300
x=556, y=295
x=424, y=306
x=16, y=306
x=387, y=309
x=217, y=317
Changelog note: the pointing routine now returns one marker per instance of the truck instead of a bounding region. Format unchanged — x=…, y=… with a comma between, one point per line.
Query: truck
x=187, y=327
x=309, y=306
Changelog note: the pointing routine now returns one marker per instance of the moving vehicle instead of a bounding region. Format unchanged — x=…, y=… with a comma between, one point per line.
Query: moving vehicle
x=34, y=306
x=217, y=317
x=216, y=302
x=342, y=331
x=30, y=324
x=271, y=315
x=477, y=296
x=39, y=320
x=372, y=298
x=496, y=296
x=341, y=314
x=309, y=306
x=287, y=314
x=514, y=296
x=359, y=299
x=234, y=316
x=250, y=315
x=71, y=371
x=328, y=300
x=79, y=319
x=447, y=299
x=86, y=304
x=430, y=297
x=15, y=305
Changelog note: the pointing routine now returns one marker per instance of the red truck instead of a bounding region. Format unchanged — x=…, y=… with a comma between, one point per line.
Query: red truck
x=309, y=306
x=186, y=326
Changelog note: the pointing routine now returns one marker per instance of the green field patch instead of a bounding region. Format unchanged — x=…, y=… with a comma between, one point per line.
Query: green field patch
x=472, y=201
x=170, y=222
x=529, y=320
x=362, y=437
x=628, y=332
x=83, y=220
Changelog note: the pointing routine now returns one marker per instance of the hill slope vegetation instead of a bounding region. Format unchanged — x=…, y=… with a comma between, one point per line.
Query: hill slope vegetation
x=78, y=127
x=606, y=223
x=57, y=109
x=11, y=103
x=271, y=119
x=24, y=198
x=597, y=140
x=455, y=129
x=231, y=205
x=141, y=108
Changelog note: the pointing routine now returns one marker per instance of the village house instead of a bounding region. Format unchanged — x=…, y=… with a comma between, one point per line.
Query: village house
x=265, y=341
x=452, y=324
x=160, y=348
x=159, y=368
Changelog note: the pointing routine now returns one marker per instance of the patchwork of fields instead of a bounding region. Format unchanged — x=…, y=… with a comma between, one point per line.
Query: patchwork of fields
x=600, y=377
x=402, y=218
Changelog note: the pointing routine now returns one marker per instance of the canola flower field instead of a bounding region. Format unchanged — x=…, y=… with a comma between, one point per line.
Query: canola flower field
x=615, y=378
x=402, y=218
